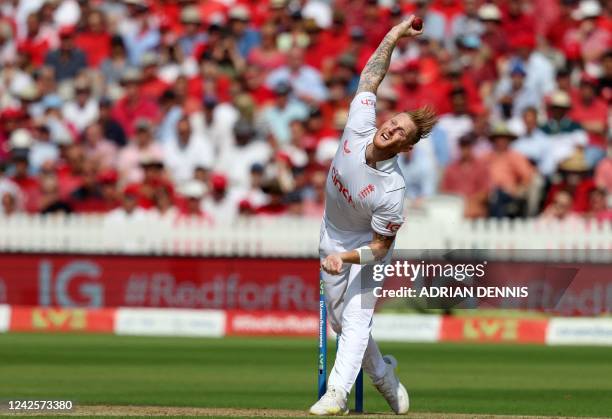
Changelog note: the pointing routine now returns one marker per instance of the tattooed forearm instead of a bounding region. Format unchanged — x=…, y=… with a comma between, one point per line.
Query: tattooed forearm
x=374, y=71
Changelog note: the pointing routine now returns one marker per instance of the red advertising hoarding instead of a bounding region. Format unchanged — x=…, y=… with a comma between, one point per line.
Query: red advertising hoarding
x=148, y=281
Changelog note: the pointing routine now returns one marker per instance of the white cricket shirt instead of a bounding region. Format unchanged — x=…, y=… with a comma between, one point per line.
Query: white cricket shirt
x=359, y=198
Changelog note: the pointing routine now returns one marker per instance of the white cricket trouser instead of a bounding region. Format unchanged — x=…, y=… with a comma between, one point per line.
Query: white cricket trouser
x=348, y=314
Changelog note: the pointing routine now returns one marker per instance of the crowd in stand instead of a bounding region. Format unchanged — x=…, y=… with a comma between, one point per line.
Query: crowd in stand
x=215, y=108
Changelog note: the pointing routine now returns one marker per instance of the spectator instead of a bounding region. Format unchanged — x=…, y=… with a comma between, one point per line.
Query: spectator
x=246, y=37
x=534, y=144
x=132, y=106
x=468, y=177
x=266, y=55
x=115, y=64
x=457, y=123
x=222, y=202
x=591, y=112
x=305, y=81
x=420, y=173
x=277, y=117
x=110, y=126
x=513, y=96
x=50, y=200
x=565, y=134
x=510, y=175
x=128, y=211
x=598, y=206
x=560, y=208
x=42, y=149
x=94, y=38
x=185, y=152
x=139, y=32
x=67, y=61
x=97, y=148
x=141, y=148
x=83, y=110
x=192, y=36
x=164, y=209
x=603, y=172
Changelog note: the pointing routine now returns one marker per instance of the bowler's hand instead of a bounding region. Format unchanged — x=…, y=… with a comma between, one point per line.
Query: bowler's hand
x=332, y=264
x=405, y=28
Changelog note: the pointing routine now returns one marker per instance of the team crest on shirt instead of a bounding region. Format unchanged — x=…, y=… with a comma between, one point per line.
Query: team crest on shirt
x=367, y=190
x=345, y=147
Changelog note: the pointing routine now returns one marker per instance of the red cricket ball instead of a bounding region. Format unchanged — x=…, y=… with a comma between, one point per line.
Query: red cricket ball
x=417, y=24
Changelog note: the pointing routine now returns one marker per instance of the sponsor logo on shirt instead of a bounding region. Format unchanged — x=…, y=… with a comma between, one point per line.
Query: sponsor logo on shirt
x=368, y=189
x=392, y=226
x=368, y=102
x=341, y=188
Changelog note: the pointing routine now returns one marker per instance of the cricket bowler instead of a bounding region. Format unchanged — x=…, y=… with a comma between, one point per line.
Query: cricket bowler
x=363, y=212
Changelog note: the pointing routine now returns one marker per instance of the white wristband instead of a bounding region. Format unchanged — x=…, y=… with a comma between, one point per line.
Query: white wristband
x=366, y=256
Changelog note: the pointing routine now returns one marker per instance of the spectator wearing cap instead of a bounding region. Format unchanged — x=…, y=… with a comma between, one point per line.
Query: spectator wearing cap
x=97, y=148
x=164, y=209
x=222, y=202
x=510, y=174
x=277, y=117
x=513, y=96
x=306, y=81
x=468, y=177
x=591, y=112
x=94, y=38
x=192, y=193
x=83, y=109
x=248, y=150
x=128, y=211
x=566, y=134
x=67, y=61
x=141, y=147
x=193, y=36
x=186, y=151
x=246, y=37
x=493, y=35
x=133, y=106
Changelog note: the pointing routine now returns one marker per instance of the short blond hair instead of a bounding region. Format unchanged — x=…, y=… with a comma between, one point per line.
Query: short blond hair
x=424, y=119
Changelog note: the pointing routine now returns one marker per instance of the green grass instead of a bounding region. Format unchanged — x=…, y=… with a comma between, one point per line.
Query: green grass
x=280, y=373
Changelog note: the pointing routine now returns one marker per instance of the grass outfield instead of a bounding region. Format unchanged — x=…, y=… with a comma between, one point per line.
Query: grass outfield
x=281, y=374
